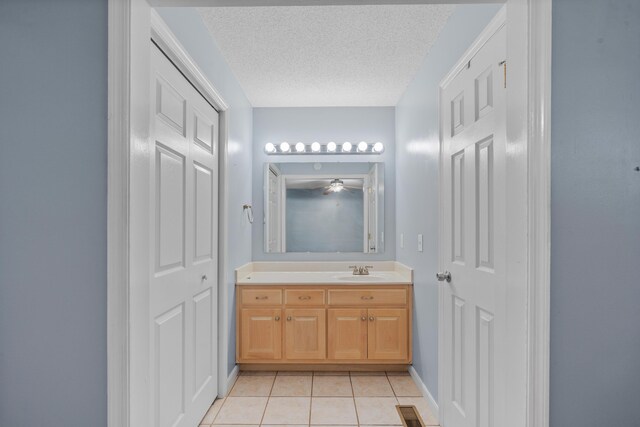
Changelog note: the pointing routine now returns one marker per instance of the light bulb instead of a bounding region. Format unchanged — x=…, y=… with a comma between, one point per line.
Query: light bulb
x=300, y=147
x=315, y=147
x=346, y=147
x=378, y=147
x=269, y=148
x=331, y=147
x=362, y=146
x=285, y=147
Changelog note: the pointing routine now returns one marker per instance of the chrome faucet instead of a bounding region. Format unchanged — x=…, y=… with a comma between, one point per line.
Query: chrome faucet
x=361, y=271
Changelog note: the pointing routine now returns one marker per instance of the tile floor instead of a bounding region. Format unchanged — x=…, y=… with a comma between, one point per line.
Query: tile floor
x=320, y=399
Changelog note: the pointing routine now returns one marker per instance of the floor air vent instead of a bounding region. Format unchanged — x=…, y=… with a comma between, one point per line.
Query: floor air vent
x=410, y=416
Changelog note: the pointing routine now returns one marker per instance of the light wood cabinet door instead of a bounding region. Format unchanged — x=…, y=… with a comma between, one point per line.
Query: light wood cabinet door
x=305, y=334
x=347, y=333
x=388, y=334
x=261, y=334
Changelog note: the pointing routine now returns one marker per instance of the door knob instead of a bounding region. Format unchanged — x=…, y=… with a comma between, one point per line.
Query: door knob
x=204, y=277
x=444, y=276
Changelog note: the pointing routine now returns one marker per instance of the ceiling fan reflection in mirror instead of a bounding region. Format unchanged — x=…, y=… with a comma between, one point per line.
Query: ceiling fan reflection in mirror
x=337, y=185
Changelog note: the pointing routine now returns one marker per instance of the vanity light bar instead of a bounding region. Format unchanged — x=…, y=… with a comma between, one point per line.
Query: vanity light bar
x=330, y=147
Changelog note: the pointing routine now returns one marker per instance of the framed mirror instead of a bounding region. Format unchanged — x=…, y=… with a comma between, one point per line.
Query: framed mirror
x=324, y=207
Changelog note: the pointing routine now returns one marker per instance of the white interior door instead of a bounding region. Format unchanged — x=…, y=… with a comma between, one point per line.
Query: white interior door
x=183, y=248
x=473, y=246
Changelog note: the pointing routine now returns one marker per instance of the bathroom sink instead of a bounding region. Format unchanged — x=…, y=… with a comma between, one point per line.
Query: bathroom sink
x=364, y=278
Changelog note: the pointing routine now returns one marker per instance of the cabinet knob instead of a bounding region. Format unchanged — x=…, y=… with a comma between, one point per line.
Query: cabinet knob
x=288, y=318
x=371, y=319
x=363, y=318
x=277, y=318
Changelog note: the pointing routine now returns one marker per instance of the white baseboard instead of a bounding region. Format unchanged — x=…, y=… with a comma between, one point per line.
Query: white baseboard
x=433, y=405
x=231, y=379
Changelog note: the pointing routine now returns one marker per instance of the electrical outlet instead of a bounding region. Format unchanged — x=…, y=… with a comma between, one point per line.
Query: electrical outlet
x=401, y=240
x=419, y=242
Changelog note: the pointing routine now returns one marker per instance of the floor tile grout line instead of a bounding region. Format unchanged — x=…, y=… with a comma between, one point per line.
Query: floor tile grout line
x=311, y=398
x=268, y=399
x=353, y=395
x=224, y=399
x=386, y=374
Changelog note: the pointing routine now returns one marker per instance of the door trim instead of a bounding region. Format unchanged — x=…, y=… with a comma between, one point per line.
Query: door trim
x=535, y=70
x=539, y=210
x=132, y=25
x=118, y=143
x=169, y=44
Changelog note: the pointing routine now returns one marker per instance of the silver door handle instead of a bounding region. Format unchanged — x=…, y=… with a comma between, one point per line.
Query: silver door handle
x=446, y=276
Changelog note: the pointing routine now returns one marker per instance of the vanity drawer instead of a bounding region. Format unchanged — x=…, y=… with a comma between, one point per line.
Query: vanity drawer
x=368, y=297
x=261, y=297
x=304, y=297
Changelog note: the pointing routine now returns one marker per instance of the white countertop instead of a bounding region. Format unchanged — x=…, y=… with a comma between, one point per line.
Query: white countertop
x=322, y=273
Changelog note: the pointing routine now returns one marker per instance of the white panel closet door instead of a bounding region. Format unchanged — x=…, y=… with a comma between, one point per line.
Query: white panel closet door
x=183, y=240
x=474, y=240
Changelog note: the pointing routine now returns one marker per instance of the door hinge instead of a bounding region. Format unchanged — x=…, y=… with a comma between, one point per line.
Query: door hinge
x=503, y=64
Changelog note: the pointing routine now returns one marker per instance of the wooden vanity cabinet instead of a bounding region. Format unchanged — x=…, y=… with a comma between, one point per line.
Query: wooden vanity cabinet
x=260, y=333
x=388, y=334
x=348, y=334
x=313, y=324
x=305, y=334
x=373, y=334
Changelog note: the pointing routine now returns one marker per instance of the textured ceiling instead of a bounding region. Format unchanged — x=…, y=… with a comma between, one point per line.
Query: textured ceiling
x=325, y=55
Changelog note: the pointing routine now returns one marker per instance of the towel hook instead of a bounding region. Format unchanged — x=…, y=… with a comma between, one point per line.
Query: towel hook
x=249, y=210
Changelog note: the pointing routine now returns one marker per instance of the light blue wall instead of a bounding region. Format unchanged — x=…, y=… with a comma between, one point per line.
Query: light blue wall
x=324, y=124
x=53, y=225
x=417, y=151
x=595, y=213
x=53, y=213
x=189, y=28
x=318, y=222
